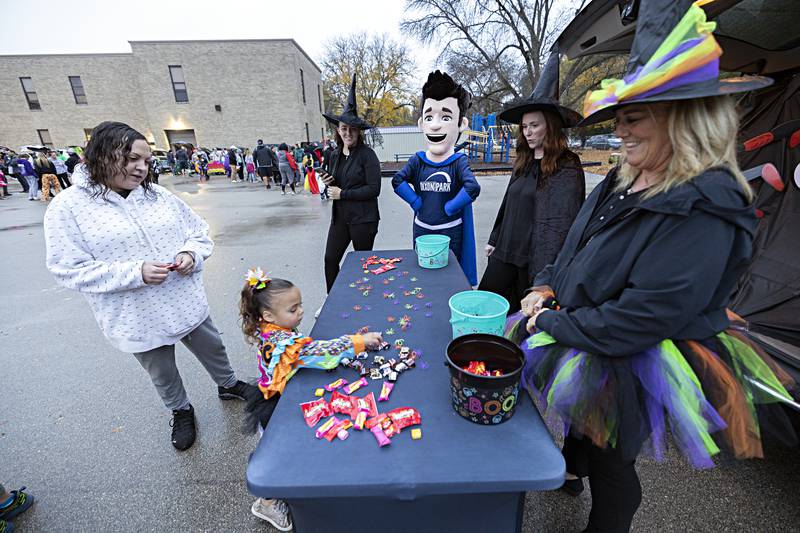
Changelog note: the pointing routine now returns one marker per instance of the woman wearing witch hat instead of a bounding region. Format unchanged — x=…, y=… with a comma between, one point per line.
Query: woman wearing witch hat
x=354, y=184
x=545, y=192
x=642, y=344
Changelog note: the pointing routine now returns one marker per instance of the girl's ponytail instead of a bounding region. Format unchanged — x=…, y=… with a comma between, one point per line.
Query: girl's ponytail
x=253, y=300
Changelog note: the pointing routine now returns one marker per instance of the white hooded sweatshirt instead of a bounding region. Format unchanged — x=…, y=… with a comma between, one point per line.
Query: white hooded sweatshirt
x=97, y=245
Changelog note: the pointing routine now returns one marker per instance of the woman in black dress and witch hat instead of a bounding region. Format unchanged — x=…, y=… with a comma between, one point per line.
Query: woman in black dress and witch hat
x=544, y=195
x=643, y=347
x=354, y=184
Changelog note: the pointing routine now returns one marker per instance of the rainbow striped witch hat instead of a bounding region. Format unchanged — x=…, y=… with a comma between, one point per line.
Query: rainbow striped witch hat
x=674, y=56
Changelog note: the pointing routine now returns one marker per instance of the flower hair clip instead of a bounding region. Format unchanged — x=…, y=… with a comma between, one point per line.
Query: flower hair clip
x=257, y=279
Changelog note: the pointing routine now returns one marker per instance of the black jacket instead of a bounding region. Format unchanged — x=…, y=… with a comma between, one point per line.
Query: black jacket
x=263, y=156
x=359, y=177
x=555, y=207
x=71, y=161
x=48, y=168
x=665, y=270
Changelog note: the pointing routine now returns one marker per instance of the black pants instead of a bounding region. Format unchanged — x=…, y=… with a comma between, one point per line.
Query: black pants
x=507, y=280
x=616, y=492
x=23, y=182
x=340, y=235
x=63, y=179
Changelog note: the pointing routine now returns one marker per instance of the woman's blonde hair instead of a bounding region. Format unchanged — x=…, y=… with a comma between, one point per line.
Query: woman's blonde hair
x=702, y=132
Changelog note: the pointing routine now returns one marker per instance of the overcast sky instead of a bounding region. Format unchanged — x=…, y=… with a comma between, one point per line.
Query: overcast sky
x=86, y=26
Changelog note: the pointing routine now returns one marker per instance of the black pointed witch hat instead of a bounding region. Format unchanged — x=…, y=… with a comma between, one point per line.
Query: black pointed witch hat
x=674, y=56
x=350, y=114
x=544, y=96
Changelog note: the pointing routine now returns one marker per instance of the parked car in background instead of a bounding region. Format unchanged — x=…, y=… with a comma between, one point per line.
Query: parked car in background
x=161, y=157
x=603, y=142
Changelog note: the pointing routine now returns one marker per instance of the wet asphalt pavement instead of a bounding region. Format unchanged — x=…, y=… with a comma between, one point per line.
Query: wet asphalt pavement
x=82, y=427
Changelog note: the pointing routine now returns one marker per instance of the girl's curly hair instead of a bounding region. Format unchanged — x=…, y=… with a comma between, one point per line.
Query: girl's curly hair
x=253, y=301
x=106, y=155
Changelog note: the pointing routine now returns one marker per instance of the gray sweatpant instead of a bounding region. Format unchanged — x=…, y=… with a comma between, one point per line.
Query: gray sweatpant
x=205, y=343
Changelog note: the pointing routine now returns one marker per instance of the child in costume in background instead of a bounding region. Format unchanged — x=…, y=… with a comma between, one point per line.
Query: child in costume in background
x=438, y=183
x=271, y=310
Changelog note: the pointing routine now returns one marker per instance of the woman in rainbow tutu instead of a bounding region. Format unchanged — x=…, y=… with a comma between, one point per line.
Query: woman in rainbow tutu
x=632, y=339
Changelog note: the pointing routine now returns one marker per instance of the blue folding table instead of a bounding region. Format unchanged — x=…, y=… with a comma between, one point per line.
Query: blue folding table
x=460, y=476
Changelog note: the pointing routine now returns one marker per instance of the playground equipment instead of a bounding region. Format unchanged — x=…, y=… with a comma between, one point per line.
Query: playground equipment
x=487, y=140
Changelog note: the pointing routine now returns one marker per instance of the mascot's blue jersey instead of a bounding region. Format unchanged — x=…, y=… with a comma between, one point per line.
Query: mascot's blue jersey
x=436, y=184
x=441, y=195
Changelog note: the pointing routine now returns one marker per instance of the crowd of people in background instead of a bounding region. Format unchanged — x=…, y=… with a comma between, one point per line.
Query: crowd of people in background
x=282, y=165
x=44, y=172
x=41, y=173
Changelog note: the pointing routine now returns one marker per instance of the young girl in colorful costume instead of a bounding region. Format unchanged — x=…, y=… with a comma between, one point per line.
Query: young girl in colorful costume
x=271, y=310
x=639, y=344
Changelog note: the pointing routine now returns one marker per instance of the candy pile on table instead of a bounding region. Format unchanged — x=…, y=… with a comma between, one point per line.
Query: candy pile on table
x=387, y=264
x=479, y=368
x=362, y=412
x=380, y=367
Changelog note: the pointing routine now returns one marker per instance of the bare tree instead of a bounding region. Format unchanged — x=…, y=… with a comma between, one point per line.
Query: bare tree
x=495, y=47
x=384, y=68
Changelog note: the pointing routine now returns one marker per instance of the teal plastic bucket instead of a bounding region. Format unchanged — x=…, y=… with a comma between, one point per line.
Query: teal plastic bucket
x=478, y=312
x=432, y=250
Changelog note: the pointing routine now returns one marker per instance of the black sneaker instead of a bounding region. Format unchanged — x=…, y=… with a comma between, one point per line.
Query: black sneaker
x=237, y=392
x=184, y=430
x=6, y=527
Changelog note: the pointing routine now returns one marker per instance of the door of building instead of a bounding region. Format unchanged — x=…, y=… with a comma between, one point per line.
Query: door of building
x=181, y=137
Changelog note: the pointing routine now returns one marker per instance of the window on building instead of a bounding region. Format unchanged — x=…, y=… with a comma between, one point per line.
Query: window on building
x=77, y=90
x=303, y=85
x=87, y=132
x=178, y=83
x=30, y=94
x=319, y=95
x=308, y=138
x=44, y=138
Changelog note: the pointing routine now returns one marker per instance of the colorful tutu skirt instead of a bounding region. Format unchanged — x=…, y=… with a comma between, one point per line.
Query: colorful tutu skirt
x=706, y=394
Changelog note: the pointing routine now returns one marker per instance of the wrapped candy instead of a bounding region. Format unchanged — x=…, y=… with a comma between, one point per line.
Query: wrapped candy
x=326, y=427
x=354, y=386
x=339, y=430
x=341, y=382
x=380, y=436
x=314, y=411
x=479, y=368
x=361, y=419
x=386, y=390
x=342, y=404
x=369, y=404
x=384, y=422
x=402, y=417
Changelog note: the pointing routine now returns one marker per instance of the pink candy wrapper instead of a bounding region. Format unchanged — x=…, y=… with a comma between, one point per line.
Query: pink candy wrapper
x=370, y=404
x=360, y=420
x=341, y=382
x=354, y=386
x=339, y=430
x=325, y=428
x=386, y=390
x=380, y=436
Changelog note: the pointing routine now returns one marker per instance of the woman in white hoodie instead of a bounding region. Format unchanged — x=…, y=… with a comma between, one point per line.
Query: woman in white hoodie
x=136, y=252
